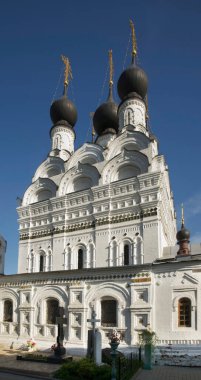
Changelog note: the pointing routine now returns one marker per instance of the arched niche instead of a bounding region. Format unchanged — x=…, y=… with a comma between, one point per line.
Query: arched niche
x=80, y=177
x=129, y=140
x=49, y=168
x=9, y=302
x=127, y=171
x=88, y=154
x=43, y=195
x=52, y=171
x=127, y=164
x=82, y=183
x=8, y=310
x=57, y=141
x=129, y=116
x=41, y=190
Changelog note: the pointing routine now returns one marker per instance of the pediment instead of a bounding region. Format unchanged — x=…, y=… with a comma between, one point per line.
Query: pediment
x=88, y=154
x=80, y=177
x=190, y=279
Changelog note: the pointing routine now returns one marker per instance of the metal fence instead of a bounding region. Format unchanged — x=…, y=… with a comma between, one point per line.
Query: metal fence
x=127, y=365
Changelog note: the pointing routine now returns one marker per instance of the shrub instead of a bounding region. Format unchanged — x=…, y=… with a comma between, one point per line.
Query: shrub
x=147, y=336
x=84, y=369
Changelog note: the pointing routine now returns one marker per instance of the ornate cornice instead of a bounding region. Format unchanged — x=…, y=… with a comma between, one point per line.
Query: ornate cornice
x=91, y=224
x=74, y=277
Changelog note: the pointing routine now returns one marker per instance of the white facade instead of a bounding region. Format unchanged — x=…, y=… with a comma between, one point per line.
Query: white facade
x=99, y=198
x=145, y=295
x=98, y=225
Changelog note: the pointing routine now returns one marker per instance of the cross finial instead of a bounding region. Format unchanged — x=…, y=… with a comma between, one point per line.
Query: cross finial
x=111, y=67
x=134, y=41
x=67, y=72
x=182, y=215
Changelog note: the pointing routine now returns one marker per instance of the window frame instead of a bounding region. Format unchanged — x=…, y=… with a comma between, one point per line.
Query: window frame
x=109, y=323
x=184, y=312
x=41, y=265
x=80, y=258
x=53, y=320
x=126, y=254
x=10, y=319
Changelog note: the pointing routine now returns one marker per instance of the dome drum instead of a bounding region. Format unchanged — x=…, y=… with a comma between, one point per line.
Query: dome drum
x=109, y=130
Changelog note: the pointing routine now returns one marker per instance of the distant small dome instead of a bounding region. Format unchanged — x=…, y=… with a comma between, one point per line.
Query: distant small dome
x=132, y=80
x=183, y=234
x=105, y=119
x=63, y=110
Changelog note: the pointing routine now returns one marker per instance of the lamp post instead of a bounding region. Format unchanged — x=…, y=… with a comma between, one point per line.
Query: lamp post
x=114, y=338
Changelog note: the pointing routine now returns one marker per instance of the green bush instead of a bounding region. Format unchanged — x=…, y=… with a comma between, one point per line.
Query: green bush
x=83, y=369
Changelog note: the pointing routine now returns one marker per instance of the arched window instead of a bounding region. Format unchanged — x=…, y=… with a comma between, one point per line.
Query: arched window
x=129, y=116
x=109, y=313
x=57, y=142
x=52, y=306
x=184, y=312
x=8, y=311
x=80, y=258
x=41, y=264
x=126, y=254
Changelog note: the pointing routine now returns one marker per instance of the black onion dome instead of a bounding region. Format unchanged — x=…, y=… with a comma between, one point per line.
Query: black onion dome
x=132, y=80
x=105, y=119
x=63, y=110
x=183, y=234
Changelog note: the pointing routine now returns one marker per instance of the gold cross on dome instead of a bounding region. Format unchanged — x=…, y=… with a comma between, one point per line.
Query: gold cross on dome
x=134, y=41
x=182, y=214
x=111, y=67
x=68, y=70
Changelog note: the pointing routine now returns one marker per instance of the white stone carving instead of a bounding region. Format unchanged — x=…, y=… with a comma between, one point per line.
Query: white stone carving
x=132, y=114
x=41, y=189
x=80, y=177
x=63, y=138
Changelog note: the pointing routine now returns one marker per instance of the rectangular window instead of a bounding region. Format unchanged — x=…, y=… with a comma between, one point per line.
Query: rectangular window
x=109, y=313
x=80, y=259
x=8, y=311
x=184, y=315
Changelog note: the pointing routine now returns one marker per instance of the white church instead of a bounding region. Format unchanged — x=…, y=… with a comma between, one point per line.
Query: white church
x=97, y=229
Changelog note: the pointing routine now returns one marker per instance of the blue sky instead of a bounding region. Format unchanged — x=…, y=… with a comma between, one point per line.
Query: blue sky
x=33, y=35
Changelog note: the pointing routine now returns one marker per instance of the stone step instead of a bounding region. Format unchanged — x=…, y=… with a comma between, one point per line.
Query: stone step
x=189, y=356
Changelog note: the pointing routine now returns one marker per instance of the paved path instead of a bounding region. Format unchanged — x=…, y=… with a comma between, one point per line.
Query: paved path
x=169, y=373
x=8, y=361
x=11, y=376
